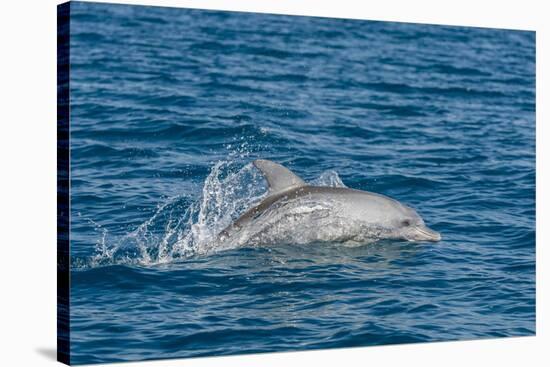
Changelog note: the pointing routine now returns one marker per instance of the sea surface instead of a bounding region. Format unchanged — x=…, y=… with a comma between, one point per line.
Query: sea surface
x=169, y=107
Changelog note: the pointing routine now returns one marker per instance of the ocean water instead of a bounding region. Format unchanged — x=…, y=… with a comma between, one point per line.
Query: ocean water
x=169, y=107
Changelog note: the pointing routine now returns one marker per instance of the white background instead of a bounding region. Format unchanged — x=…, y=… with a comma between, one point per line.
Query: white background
x=28, y=182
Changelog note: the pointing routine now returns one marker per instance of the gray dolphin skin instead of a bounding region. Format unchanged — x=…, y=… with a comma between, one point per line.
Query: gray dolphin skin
x=295, y=212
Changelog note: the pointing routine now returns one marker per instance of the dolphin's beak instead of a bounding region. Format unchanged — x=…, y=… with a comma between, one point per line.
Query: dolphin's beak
x=424, y=233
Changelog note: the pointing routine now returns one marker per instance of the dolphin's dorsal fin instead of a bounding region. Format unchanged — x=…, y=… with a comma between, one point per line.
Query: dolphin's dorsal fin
x=279, y=178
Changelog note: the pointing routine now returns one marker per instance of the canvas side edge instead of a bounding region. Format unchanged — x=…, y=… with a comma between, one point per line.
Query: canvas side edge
x=63, y=183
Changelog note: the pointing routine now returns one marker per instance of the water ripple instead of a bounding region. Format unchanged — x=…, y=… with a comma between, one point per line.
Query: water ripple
x=169, y=107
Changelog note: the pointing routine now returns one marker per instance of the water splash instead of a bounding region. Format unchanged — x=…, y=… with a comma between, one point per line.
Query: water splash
x=328, y=178
x=181, y=228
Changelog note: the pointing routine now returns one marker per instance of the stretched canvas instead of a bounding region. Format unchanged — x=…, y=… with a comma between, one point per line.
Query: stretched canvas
x=234, y=183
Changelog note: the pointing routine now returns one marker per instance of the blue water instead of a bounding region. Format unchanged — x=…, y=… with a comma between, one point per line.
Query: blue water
x=170, y=106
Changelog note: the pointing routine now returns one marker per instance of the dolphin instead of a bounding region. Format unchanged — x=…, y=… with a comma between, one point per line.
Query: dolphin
x=295, y=212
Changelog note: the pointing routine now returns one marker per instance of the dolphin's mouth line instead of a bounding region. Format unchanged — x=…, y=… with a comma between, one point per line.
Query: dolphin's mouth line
x=427, y=234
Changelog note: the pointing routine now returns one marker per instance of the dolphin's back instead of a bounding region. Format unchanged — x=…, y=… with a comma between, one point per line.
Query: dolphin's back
x=356, y=204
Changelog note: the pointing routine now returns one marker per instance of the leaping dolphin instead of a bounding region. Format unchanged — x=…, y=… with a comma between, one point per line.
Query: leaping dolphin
x=295, y=212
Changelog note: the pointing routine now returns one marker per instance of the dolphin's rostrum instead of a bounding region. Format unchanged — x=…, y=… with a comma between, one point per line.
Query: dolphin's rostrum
x=295, y=212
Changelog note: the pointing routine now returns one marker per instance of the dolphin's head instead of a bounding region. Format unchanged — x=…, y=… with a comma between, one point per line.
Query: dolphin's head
x=407, y=224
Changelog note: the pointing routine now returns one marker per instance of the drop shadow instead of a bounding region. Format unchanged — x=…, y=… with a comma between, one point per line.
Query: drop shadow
x=49, y=353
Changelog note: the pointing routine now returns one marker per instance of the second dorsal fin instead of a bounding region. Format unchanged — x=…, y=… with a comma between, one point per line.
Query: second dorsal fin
x=279, y=178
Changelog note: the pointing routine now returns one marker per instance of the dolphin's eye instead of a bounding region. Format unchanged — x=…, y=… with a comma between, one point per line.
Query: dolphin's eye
x=406, y=223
